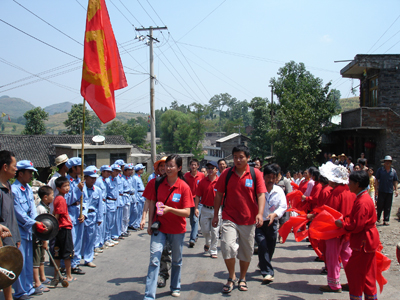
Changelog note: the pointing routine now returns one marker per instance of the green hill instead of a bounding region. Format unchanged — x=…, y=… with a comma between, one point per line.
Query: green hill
x=58, y=108
x=349, y=103
x=15, y=107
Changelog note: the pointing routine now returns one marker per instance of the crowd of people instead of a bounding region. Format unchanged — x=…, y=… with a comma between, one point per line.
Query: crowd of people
x=244, y=206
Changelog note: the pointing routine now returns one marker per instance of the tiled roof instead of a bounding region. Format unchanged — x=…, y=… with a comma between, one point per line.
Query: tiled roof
x=39, y=148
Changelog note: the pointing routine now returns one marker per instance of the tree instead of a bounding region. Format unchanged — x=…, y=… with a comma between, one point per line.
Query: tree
x=303, y=115
x=218, y=102
x=260, y=143
x=75, y=118
x=35, y=121
x=94, y=125
x=118, y=128
x=171, y=121
x=137, y=131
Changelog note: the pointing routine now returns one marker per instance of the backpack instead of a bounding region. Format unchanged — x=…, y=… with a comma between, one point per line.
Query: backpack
x=228, y=176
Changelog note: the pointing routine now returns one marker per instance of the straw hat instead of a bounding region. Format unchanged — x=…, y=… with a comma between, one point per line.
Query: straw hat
x=63, y=158
x=333, y=156
x=387, y=157
x=342, y=155
x=338, y=174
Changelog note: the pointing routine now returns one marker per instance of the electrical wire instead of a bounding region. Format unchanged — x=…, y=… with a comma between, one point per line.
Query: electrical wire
x=146, y=12
x=39, y=40
x=48, y=23
x=383, y=34
x=387, y=41
x=202, y=20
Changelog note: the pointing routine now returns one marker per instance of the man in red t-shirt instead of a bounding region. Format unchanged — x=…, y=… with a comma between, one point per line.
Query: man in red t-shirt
x=193, y=178
x=206, y=193
x=242, y=212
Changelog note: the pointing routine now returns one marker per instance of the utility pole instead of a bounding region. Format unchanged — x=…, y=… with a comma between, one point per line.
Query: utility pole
x=240, y=135
x=272, y=117
x=152, y=107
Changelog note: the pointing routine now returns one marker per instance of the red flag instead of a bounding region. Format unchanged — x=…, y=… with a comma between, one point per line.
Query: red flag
x=102, y=68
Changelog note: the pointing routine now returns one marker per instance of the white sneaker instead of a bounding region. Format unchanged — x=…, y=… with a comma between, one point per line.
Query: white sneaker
x=175, y=293
x=98, y=250
x=109, y=244
x=115, y=242
x=268, y=278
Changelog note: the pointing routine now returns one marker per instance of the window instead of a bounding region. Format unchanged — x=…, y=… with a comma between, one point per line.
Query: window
x=373, y=91
x=89, y=159
x=115, y=156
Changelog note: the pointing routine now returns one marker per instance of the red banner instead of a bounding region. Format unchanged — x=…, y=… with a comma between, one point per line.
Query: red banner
x=102, y=72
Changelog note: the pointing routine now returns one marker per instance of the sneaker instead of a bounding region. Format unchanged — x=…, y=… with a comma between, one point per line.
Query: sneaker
x=98, y=250
x=175, y=293
x=115, y=242
x=191, y=244
x=268, y=278
x=161, y=282
x=109, y=244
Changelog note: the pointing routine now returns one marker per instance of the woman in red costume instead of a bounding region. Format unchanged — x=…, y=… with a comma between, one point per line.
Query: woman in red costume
x=364, y=240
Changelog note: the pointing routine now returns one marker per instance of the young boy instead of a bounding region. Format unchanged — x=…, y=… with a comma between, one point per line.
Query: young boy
x=46, y=195
x=64, y=246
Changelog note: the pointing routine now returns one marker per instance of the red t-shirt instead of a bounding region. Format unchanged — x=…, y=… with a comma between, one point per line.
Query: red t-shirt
x=180, y=197
x=324, y=195
x=303, y=185
x=149, y=191
x=241, y=205
x=206, y=191
x=61, y=208
x=193, y=182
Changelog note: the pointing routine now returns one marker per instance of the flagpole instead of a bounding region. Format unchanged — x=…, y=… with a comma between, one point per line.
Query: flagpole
x=82, y=152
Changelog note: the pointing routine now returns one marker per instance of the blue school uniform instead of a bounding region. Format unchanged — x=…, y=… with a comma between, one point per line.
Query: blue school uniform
x=25, y=211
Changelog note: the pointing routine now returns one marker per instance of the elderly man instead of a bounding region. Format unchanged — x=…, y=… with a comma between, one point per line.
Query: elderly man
x=386, y=182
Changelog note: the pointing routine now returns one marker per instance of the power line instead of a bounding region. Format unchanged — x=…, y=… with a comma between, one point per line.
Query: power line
x=387, y=41
x=155, y=12
x=146, y=12
x=39, y=40
x=392, y=46
x=383, y=34
x=48, y=23
x=201, y=20
x=130, y=13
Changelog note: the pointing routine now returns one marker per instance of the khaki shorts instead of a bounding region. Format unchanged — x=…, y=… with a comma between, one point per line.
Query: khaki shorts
x=237, y=241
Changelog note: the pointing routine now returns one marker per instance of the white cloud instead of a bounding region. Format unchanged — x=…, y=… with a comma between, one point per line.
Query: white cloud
x=326, y=39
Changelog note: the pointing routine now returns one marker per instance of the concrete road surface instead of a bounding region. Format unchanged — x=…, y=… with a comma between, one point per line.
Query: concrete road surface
x=121, y=272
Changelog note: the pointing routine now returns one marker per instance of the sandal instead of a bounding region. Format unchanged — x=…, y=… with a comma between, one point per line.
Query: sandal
x=214, y=256
x=54, y=283
x=227, y=288
x=242, y=287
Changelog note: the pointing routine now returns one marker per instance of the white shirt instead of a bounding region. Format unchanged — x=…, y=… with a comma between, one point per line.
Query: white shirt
x=52, y=184
x=275, y=202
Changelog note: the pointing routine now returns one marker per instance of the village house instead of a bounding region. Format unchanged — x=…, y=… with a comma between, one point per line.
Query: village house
x=374, y=128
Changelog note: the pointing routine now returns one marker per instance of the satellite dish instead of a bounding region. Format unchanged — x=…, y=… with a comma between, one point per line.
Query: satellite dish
x=98, y=139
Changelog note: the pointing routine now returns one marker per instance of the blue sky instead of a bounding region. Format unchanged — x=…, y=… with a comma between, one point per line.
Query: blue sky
x=210, y=47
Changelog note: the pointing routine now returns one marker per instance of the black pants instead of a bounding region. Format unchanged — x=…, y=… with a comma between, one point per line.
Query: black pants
x=266, y=240
x=384, y=204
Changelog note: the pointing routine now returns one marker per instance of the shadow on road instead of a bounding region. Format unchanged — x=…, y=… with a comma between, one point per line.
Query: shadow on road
x=119, y=281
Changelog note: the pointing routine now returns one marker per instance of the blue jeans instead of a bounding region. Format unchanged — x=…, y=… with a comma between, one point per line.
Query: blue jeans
x=194, y=225
x=156, y=248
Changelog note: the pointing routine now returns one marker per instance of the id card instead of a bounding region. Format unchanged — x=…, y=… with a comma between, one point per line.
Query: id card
x=249, y=183
x=176, y=198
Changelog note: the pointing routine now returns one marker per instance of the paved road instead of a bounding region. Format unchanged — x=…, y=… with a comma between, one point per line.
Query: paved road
x=121, y=272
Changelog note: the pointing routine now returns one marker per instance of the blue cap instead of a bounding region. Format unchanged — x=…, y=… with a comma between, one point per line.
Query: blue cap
x=128, y=166
x=213, y=163
x=115, y=167
x=25, y=165
x=105, y=168
x=73, y=162
x=139, y=167
x=119, y=162
x=91, y=171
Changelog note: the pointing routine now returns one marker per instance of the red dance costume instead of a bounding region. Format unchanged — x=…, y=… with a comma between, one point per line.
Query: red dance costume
x=342, y=200
x=364, y=241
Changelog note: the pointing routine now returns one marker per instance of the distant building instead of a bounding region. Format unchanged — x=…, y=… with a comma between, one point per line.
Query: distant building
x=374, y=128
x=223, y=146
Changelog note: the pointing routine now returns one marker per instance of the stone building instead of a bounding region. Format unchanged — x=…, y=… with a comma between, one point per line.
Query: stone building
x=374, y=128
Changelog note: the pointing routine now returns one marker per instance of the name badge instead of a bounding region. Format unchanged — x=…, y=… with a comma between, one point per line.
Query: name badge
x=215, y=190
x=249, y=183
x=176, y=197
x=198, y=181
